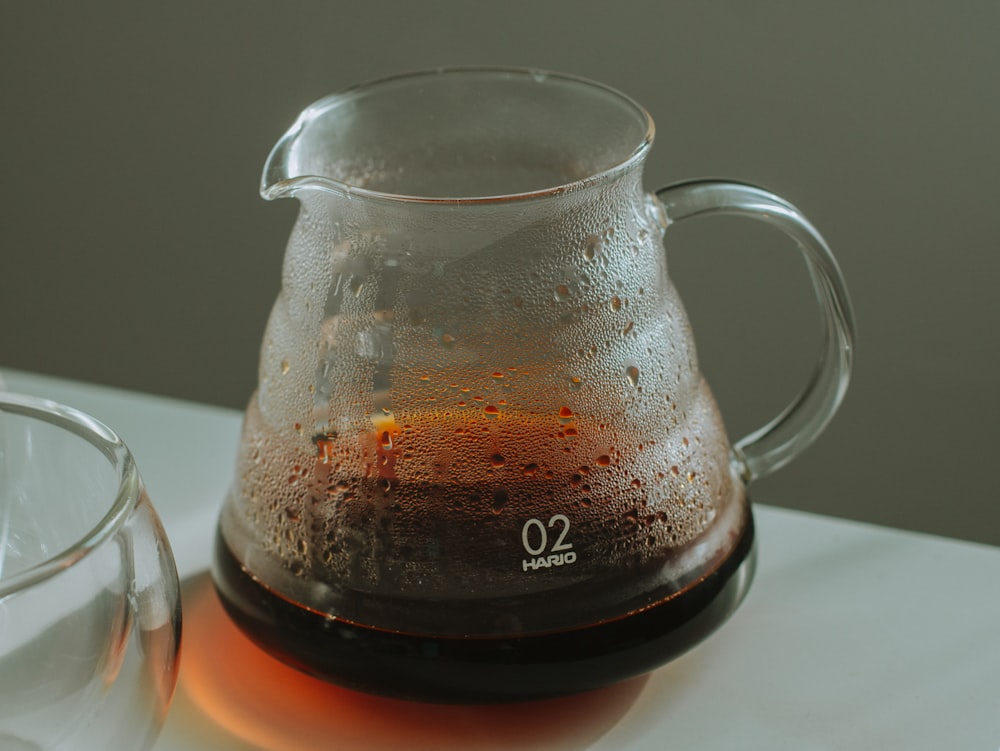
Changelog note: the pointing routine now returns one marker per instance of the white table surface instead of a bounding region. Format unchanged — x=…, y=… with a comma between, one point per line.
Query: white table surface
x=852, y=637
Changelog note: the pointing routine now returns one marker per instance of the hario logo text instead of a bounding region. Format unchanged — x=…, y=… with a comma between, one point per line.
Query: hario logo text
x=548, y=561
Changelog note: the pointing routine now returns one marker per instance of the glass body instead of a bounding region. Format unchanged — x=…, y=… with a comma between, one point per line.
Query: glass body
x=89, y=596
x=480, y=425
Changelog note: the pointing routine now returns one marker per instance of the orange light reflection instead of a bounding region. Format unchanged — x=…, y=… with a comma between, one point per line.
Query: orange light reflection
x=274, y=707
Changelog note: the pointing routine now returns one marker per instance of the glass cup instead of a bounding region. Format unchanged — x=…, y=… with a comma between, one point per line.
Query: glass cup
x=89, y=595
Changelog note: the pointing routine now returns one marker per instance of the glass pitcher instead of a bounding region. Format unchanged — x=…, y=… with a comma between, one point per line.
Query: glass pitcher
x=481, y=463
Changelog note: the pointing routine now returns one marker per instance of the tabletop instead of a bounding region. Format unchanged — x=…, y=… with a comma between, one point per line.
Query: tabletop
x=852, y=637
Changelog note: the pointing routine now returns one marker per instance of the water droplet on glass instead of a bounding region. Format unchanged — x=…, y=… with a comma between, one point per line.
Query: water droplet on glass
x=497, y=461
x=562, y=292
x=616, y=303
x=530, y=469
x=284, y=367
x=565, y=413
x=632, y=374
x=500, y=499
x=490, y=411
x=447, y=340
x=575, y=383
x=603, y=460
x=592, y=247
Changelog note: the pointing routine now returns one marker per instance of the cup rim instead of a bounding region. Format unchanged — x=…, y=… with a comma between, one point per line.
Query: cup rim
x=121, y=507
x=274, y=184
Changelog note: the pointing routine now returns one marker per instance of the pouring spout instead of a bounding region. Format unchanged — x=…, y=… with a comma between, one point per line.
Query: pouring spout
x=290, y=166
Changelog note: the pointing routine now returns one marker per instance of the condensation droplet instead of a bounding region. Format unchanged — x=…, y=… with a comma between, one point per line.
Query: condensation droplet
x=575, y=383
x=616, y=303
x=562, y=292
x=500, y=499
x=447, y=340
x=530, y=469
x=497, y=461
x=632, y=374
x=491, y=411
x=603, y=460
x=592, y=247
x=284, y=366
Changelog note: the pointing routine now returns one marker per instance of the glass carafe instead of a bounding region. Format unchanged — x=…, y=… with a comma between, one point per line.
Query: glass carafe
x=481, y=463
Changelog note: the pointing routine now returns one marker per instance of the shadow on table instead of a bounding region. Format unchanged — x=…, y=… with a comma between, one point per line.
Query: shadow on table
x=244, y=699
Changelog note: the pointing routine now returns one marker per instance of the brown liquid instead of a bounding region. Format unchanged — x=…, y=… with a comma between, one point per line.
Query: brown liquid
x=482, y=669
x=271, y=705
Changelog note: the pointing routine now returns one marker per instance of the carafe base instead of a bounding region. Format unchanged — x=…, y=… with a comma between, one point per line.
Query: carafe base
x=483, y=670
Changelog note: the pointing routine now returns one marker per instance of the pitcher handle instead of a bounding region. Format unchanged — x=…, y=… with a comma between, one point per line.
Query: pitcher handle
x=786, y=436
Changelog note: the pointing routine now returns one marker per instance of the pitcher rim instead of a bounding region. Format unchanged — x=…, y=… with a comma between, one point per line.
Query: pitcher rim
x=274, y=186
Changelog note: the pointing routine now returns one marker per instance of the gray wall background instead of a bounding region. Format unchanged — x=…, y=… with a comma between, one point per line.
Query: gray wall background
x=135, y=252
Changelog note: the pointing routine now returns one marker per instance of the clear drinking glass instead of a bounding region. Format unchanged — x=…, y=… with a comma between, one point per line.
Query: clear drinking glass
x=89, y=595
